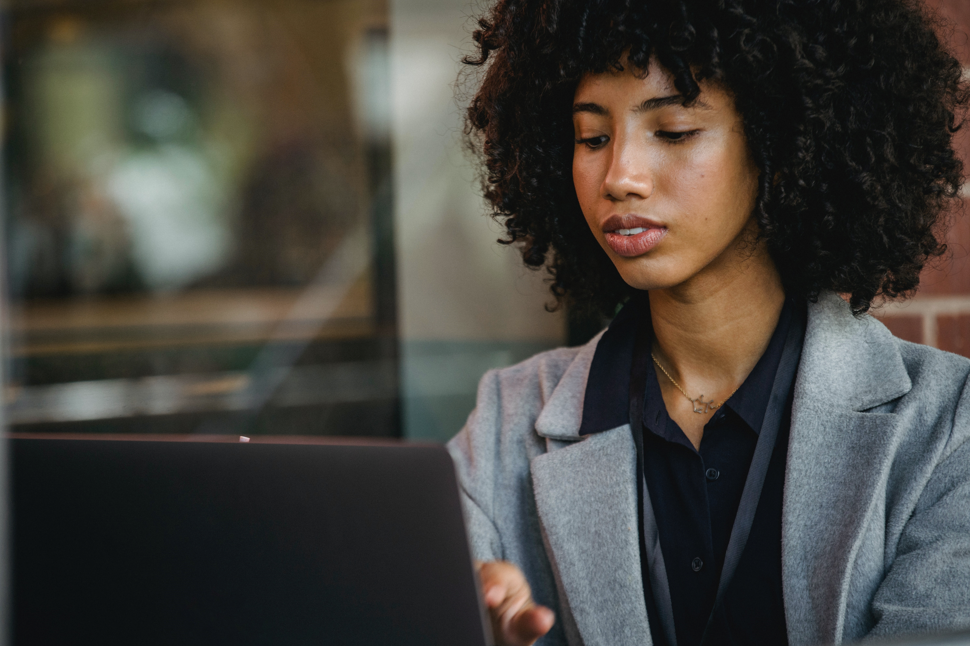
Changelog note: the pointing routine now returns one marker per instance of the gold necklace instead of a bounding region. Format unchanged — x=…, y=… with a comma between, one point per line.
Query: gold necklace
x=700, y=406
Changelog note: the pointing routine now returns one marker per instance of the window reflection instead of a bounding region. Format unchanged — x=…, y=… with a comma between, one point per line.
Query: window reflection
x=199, y=217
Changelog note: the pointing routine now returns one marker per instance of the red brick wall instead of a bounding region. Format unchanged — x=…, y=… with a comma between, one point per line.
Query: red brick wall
x=939, y=314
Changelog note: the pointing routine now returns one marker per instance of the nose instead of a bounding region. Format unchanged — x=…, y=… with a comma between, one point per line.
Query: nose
x=629, y=175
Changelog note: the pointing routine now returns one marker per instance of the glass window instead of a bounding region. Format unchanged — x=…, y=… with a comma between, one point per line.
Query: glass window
x=199, y=218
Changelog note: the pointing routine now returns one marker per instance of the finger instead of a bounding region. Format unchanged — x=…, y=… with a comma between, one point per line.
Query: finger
x=515, y=597
x=494, y=594
x=516, y=619
x=494, y=581
x=531, y=623
x=502, y=583
x=528, y=625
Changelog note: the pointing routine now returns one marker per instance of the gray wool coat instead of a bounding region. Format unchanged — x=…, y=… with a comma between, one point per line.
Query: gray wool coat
x=876, y=516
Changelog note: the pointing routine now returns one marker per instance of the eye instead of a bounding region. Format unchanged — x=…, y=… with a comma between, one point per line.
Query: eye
x=593, y=142
x=676, y=137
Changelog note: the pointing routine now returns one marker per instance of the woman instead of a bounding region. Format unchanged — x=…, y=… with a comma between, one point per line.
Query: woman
x=743, y=456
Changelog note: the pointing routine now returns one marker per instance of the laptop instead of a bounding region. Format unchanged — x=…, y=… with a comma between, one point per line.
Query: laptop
x=217, y=542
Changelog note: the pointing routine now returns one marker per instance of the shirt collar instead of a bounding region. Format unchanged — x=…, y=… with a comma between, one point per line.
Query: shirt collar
x=607, y=398
x=751, y=400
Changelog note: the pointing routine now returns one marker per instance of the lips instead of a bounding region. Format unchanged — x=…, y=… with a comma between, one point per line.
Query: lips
x=632, y=235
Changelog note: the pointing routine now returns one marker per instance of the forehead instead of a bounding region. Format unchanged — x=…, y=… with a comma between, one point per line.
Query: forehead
x=657, y=80
x=606, y=92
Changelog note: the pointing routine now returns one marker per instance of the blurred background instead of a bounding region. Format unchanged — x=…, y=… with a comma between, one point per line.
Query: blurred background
x=243, y=217
x=234, y=216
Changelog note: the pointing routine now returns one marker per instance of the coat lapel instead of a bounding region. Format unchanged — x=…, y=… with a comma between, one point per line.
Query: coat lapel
x=586, y=499
x=839, y=456
x=587, y=502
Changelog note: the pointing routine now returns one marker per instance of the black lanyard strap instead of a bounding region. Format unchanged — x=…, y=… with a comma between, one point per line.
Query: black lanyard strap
x=751, y=494
x=656, y=567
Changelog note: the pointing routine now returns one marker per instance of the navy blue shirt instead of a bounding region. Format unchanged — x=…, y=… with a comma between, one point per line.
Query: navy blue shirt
x=695, y=493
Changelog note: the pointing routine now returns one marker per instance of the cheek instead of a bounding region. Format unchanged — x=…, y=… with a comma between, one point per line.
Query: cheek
x=704, y=169
x=723, y=183
x=584, y=181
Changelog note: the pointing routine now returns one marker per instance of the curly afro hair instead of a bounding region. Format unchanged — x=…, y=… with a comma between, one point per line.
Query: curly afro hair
x=849, y=109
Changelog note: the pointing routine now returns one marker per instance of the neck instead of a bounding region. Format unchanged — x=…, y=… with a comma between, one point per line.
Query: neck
x=711, y=331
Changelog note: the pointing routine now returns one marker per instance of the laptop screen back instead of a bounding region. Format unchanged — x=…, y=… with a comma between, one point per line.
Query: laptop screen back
x=219, y=543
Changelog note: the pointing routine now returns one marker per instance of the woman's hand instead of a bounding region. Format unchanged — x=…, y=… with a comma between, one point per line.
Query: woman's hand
x=516, y=619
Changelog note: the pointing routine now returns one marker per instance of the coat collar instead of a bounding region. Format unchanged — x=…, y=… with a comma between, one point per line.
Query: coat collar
x=562, y=415
x=847, y=362
x=852, y=363
x=839, y=452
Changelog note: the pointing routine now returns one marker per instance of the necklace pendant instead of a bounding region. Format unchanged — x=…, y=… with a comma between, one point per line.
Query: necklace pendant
x=700, y=406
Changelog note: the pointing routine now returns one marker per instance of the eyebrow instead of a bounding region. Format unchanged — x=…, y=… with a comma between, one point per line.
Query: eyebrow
x=648, y=105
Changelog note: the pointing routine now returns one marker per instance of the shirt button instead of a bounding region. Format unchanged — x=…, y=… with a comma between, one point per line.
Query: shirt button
x=712, y=474
x=696, y=564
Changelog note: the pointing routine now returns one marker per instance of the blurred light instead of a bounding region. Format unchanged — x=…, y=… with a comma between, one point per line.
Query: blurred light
x=161, y=114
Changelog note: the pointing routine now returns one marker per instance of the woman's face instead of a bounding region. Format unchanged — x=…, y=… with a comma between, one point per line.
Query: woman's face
x=667, y=190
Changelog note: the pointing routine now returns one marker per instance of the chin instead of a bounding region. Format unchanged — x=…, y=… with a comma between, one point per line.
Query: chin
x=649, y=280
x=646, y=273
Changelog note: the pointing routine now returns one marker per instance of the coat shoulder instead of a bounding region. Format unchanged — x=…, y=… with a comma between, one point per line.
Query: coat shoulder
x=938, y=377
x=941, y=389
x=511, y=400
x=925, y=362
x=528, y=384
